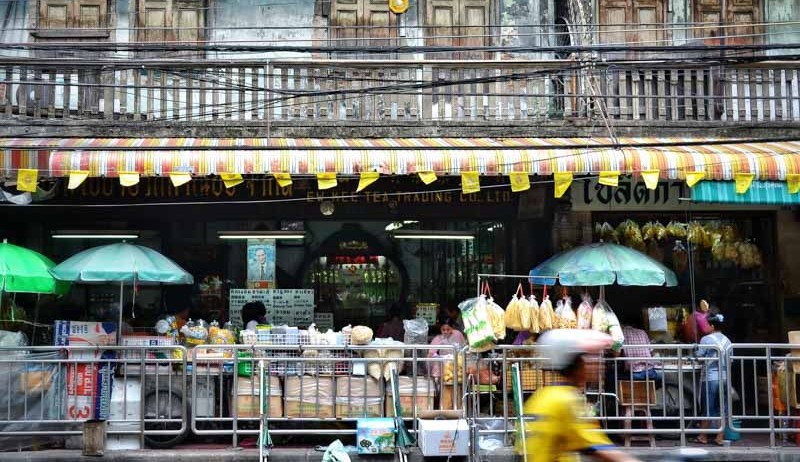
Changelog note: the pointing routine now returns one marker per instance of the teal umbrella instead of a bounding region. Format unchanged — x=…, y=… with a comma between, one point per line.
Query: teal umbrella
x=404, y=438
x=603, y=264
x=121, y=263
x=24, y=270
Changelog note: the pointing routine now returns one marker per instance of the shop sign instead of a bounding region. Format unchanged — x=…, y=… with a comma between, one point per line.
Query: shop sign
x=588, y=195
x=161, y=190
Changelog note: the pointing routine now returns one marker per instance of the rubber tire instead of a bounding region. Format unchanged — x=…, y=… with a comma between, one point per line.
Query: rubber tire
x=166, y=441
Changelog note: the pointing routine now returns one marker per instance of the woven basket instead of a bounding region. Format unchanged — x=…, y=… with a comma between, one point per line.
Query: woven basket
x=531, y=377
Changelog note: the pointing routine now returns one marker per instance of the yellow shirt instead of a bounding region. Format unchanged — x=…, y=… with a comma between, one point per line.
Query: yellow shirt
x=556, y=430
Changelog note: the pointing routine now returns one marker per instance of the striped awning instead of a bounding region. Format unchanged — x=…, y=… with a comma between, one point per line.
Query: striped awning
x=760, y=192
x=719, y=159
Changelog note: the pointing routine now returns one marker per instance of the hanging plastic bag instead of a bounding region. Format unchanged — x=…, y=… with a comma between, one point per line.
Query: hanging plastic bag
x=546, y=314
x=477, y=326
x=585, y=312
x=565, y=317
x=533, y=309
x=614, y=328
x=416, y=331
x=511, y=316
x=497, y=319
x=599, y=321
x=525, y=314
x=335, y=453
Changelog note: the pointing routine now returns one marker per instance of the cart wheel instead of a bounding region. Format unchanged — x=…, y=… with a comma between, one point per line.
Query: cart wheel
x=160, y=405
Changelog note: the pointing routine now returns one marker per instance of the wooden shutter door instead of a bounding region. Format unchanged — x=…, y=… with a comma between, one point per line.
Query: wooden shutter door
x=741, y=13
x=90, y=14
x=54, y=14
x=381, y=23
x=155, y=21
x=614, y=15
x=344, y=22
x=441, y=21
x=744, y=13
x=474, y=30
x=190, y=21
x=649, y=16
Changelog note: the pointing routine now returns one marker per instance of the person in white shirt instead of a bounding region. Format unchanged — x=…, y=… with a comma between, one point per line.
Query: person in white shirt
x=715, y=374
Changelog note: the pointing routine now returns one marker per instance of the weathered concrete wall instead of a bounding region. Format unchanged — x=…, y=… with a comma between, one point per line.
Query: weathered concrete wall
x=265, y=22
x=13, y=19
x=782, y=11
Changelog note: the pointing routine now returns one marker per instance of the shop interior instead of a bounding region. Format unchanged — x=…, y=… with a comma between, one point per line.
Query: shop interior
x=358, y=270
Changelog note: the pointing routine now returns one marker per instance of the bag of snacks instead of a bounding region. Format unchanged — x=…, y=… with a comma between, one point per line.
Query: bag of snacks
x=533, y=310
x=585, y=312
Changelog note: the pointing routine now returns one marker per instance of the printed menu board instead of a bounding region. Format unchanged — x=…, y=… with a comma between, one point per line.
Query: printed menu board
x=293, y=307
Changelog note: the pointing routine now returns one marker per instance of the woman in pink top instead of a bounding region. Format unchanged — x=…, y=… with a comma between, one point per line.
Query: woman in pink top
x=696, y=325
x=448, y=336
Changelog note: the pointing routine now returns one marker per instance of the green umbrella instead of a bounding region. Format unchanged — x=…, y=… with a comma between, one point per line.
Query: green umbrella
x=603, y=264
x=404, y=438
x=516, y=388
x=24, y=270
x=121, y=263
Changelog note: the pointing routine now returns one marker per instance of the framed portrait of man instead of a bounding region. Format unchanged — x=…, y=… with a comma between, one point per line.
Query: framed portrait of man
x=261, y=263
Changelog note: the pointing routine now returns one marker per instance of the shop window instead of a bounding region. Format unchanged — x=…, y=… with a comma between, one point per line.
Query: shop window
x=72, y=18
x=162, y=21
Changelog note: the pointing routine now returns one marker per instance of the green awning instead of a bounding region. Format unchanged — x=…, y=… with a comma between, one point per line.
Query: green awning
x=760, y=192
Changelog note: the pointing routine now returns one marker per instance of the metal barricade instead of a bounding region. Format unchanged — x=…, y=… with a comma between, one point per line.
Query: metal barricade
x=659, y=392
x=322, y=389
x=765, y=379
x=51, y=391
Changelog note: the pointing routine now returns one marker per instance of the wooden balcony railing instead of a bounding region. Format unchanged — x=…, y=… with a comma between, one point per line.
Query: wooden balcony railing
x=380, y=91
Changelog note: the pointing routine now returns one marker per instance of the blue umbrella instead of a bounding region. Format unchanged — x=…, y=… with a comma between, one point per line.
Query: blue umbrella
x=603, y=264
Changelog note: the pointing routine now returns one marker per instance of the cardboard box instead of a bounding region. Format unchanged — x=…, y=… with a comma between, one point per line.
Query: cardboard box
x=246, y=398
x=375, y=436
x=88, y=395
x=74, y=333
x=425, y=390
x=442, y=438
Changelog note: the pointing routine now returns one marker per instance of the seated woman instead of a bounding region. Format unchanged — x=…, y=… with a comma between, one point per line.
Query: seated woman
x=448, y=336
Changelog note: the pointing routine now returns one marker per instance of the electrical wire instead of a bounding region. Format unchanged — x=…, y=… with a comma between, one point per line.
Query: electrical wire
x=410, y=87
x=398, y=49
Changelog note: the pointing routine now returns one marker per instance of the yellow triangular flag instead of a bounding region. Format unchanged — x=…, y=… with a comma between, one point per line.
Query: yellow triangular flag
x=231, y=179
x=609, y=178
x=27, y=179
x=366, y=179
x=563, y=181
x=650, y=178
x=326, y=180
x=283, y=179
x=180, y=178
x=692, y=178
x=793, y=183
x=520, y=181
x=76, y=178
x=743, y=181
x=470, y=182
x=427, y=176
x=128, y=178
